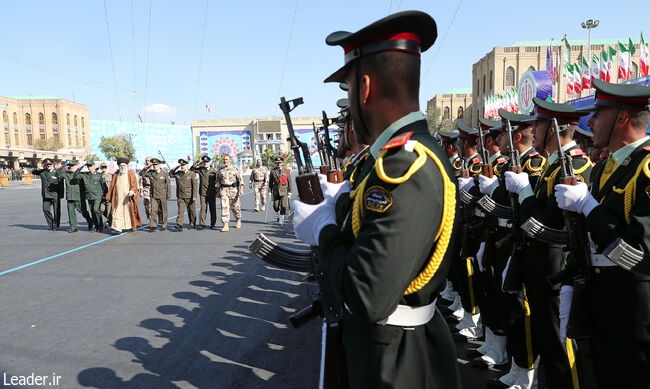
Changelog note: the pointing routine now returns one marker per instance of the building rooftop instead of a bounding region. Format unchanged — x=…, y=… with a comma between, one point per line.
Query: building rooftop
x=460, y=91
x=576, y=42
x=42, y=97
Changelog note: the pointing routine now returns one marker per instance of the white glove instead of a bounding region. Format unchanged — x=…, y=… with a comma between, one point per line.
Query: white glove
x=575, y=198
x=289, y=194
x=516, y=182
x=331, y=189
x=479, y=255
x=465, y=183
x=487, y=184
x=566, y=294
x=309, y=220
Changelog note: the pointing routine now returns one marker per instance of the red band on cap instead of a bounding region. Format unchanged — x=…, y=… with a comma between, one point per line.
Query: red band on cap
x=382, y=37
x=631, y=100
x=560, y=114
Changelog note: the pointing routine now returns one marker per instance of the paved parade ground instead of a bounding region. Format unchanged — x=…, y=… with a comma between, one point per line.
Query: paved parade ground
x=152, y=310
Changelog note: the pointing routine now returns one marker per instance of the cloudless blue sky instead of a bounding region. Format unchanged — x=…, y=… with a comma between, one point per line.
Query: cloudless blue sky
x=245, y=46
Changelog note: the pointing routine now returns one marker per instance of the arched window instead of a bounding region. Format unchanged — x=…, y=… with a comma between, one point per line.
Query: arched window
x=41, y=118
x=67, y=119
x=491, y=80
x=28, y=119
x=531, y=69
x=484, y=84
x=55, y=119
x=460, y=113
x=75, y=121
x=478, y=86
x=5, y=117
x=445, y=113
x=510, y=76
x=634, y=71
x=15, y=118
x=83, y=123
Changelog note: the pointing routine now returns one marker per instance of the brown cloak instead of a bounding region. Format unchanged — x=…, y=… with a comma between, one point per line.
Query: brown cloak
x=134, y=211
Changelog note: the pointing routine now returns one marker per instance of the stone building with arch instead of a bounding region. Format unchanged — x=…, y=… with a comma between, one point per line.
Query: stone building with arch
x=455, y=104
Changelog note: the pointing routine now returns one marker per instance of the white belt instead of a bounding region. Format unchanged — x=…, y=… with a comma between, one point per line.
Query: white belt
x=406, y=316
x=503, y=223
x=478, y=212
x=599, y=260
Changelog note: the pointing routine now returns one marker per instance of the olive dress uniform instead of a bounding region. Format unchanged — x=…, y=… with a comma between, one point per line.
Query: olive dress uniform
x=51, y=192
x=207, y=192
x=75, y=198
x=186, y=188
x=160, y=192
x=94, y=191
x=280, y=186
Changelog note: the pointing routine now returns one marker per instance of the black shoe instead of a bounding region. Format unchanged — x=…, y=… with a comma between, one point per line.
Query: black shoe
x=473, y=353
x=212, y=226
x=445, y=311
x=200, y=228
x=72, y=231
x=163, y=228
x=56, y=228
x=178, y=228
x=50, y=228
x=90, y=227
x=190, y=227
x=91, y=230
x=495, y=383
x=152, y=229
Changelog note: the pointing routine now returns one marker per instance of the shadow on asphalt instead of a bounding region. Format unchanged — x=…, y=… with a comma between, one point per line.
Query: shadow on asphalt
x=235, y=336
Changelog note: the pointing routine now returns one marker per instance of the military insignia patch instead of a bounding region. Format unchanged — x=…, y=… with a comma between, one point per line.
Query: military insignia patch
x=378, y=199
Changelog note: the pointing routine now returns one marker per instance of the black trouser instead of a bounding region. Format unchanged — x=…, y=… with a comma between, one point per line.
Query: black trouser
x=280, y=204
x=208, y=201
x=191, y=212
x=158, y=212
x=52, y=221
x=75, y=206
x=96, y=214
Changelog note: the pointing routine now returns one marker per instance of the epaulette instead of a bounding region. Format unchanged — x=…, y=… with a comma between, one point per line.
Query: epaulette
x=399, y=141
x=501, y=160
x=457, y=164
x=476, y=160
x=576, y=152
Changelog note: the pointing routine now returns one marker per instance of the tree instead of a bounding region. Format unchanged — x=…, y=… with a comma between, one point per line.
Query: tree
x=197, y=157
x=48, y=144
x=90, y=158
x=269, y=156
x=433, y=118
x=119, y=146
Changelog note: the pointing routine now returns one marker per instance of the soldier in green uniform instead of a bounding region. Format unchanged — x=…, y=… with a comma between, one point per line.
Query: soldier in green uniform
x=207, y=190
x=389, y=259
x=542, y=259
x=448, y=142
x=74, y=195
x=160, y=192
x=280, y=187
x=617, y=207
x=51, y=191
x=186, y=188
x=94, y=191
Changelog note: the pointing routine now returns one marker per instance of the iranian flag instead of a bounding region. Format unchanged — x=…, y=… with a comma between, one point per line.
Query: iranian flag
x=569, y=79
x=595, y=67
x=632, y=51
x=577, y=78
x=566, y=54
x=515, y=100
x=586, y=74
x=610, y=63
x=623, y=62
x=644, y=54
x=603, y=65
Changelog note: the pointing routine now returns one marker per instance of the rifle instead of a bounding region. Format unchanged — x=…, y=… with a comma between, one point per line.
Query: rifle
x=628, y=257
x=334, y=174
x=487, y=167
x=579, y=325
x=514, y=279
x=321, y=150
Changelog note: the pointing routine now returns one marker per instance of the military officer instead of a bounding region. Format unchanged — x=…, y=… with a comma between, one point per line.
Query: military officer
x=160, y=192
x=375, y=260
x=229, y=188
x=74, y=195
x=94, y=191
x=51, y=191
x=106, y=203
x=186, y=188
x=144, y=186
x=260, y=179
x=617, y=207
x=448, y=142
x=280, y=186
x=207, y=190
x=542, y=259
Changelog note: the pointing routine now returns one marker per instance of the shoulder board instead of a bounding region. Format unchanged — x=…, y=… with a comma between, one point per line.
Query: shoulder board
x=647, y=148
x=476, y=160
x=533, y=154
x=576, y=152
x=457, y=164
x=501, y=160
x=399, y=141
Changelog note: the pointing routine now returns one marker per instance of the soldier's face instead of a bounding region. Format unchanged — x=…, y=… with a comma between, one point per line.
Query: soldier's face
x=226, y=161
x=206, y=163
x=601, y=124
x=502, y=142
x=147, y=162
x=539, y=135
x=259, y=163
x=156, y=166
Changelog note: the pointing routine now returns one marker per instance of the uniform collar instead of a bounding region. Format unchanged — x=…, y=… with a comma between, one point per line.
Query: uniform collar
x=388, y=133
x=494, y=157
x=469, y=160
x=521, y=157
x=621, y=154
x=453, y=158
x=553, y=157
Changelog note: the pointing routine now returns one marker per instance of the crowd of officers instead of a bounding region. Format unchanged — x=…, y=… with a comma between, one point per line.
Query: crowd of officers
x=527, y=293
x=86, y=189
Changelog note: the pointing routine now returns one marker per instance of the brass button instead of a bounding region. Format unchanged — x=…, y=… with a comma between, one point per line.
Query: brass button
x=597, y=270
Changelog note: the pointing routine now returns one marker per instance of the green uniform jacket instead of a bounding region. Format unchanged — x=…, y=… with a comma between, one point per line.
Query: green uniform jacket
x=541, y=259
x=186, y=186
x=161, y=187
x=354, y=162
x=276, y=188
x=532, y=163
x=94, y=186
x=207, y=179
x=73, y=189
x=51, y=184
x=457, y=166
x=372, y=271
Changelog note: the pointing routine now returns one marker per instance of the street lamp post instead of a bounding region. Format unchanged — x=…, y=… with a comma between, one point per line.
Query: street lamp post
x=589, y=24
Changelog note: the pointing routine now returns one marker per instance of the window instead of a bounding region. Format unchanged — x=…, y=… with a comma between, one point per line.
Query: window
x=278, y=136
x=17, y=139
x=28, y=119
x=56, y=136
x=83, y=123
x=478, y=85
x=55, y=119
x=634, y=71
x=460, y=113
x=7, y=138
x=5, y=117
x=41, y=118
x=445, y=114
x=75, y=121
x=531, y=69
x=76, y=140
x=69, y=139
x=15, y=119
x=491, y=80
x=510, y=76
x=30, y=140
x=67, y=119
x=484, y=84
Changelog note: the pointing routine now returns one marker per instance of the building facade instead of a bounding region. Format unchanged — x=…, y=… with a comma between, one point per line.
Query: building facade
x=503, y=67
x=455, y=104
x=27, y=119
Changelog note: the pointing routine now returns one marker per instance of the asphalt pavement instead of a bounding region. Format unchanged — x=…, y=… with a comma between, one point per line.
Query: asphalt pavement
x=164, y=309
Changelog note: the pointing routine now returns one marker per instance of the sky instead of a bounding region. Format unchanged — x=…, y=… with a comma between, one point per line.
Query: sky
x=254, y=51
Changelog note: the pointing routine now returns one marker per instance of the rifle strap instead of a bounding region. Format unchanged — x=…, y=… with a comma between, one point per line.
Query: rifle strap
x=443, y=236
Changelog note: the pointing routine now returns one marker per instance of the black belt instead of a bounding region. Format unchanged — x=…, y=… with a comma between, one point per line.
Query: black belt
x=259, y=180
x=228, y=186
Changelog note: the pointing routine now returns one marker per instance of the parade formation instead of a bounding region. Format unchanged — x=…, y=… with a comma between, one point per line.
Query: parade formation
x=527, y=236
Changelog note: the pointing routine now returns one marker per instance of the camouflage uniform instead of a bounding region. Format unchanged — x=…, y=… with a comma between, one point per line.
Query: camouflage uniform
x=259, y=180
x=229, y=182
x=145, y=191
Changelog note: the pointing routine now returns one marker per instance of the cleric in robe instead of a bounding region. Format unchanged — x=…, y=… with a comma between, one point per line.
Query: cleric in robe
x=122, y=195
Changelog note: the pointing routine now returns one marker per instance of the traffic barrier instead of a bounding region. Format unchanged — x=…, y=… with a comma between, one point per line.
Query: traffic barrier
x=4, y=180
x=27, y=179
